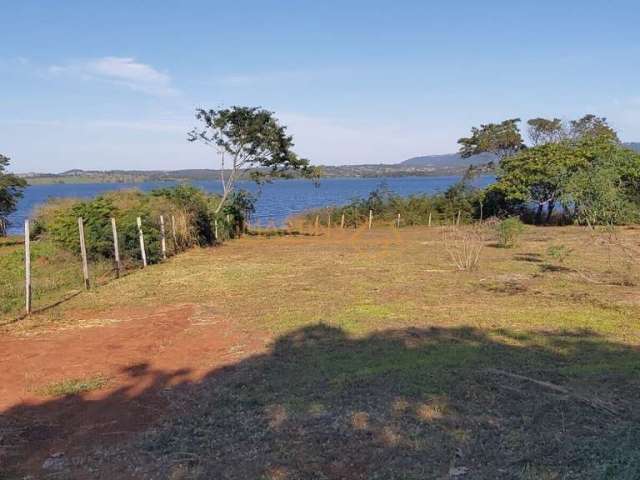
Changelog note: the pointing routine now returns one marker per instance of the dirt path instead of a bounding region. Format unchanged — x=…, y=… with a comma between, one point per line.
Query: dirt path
x=140, y=353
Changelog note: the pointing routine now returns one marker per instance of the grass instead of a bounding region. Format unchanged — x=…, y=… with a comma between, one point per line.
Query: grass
x=381, y=356
x=56, y=274
x=73, y=386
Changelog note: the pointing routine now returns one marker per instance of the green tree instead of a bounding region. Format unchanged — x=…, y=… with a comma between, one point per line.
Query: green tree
x=501, y=139
x=592, y=127
x=11, y=187
x=555, y=172
x=609, y=192
x=543, y=130
x=538, y=175
x=253, y=141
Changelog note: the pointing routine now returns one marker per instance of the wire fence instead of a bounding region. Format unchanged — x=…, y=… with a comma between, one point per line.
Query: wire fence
x=52, y=274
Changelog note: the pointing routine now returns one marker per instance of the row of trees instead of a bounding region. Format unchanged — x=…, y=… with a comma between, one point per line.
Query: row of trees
x=580, y=165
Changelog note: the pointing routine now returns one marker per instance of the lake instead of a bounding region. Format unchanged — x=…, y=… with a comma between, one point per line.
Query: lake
x=276, y=201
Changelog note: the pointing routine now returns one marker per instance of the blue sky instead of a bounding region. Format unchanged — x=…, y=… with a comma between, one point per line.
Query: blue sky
x=102, y=85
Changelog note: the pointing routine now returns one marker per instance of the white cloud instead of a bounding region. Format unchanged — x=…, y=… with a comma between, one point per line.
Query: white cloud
x=123, y=71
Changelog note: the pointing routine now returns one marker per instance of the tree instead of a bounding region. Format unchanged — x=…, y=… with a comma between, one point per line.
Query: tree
x=11, y=187
x=253, y=140
x=538, y=175
x=501, y=139
x=555, y=172
x=543, y=130
x=592, y=127
x=608, y=193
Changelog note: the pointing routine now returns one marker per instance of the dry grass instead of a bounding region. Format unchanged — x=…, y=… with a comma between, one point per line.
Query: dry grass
x=360, y=279
x=73, y=386
x=380, y=352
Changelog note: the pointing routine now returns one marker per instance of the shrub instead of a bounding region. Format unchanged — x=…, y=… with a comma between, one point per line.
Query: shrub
x=63, y=227
x=189, y=207
x=508, y=231
x=414, y=209
x=464, y=245
x=559, y=252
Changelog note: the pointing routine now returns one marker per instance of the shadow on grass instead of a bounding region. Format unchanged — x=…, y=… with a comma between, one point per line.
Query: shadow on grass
x=412, y=404
x=548, y=267
x=528, y=257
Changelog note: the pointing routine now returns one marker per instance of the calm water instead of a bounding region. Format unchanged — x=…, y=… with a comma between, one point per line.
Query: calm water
x=276, y=201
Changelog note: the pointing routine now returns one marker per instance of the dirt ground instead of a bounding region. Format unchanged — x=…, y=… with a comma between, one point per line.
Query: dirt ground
x=338, y=356
x=141, y=353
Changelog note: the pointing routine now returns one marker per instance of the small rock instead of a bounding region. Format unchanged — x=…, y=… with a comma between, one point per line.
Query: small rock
x=55, y=462
x=458, y=472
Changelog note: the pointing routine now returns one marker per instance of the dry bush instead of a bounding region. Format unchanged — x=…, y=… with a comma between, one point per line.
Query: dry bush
x=186, y=229
x=464, y=245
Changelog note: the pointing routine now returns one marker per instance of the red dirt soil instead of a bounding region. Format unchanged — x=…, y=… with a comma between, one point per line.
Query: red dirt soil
x=141, y=354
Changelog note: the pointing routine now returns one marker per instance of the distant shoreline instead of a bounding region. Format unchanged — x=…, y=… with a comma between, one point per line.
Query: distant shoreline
x=356, y=171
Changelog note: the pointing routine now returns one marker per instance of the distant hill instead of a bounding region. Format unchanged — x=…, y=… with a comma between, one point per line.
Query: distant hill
x=635, y=146
x=448, y=160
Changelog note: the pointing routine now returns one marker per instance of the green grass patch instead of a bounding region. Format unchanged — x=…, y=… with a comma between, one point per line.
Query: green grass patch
x=73, y=386
x=55, y=274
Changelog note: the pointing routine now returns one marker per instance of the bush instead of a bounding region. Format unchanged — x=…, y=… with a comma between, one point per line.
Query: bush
x=191, y=209
x=442, y=208
x=464, y=245
x=508, y=231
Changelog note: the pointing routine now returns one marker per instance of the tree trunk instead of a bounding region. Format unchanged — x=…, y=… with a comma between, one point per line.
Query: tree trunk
x=550, y=206
x=539, y=213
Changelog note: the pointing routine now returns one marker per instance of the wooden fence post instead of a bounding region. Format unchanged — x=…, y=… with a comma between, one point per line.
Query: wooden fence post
x=370, y=218
x=175, y=237
x=116, y=248
x=27, y=266
x=328, y=220
x=163, y=241
x=458, y=219
x=398, y=224
x=83, y=252
x=142, y=251
x=429, y=218
x=342, y=221
x=215, y=229
x=317, y=222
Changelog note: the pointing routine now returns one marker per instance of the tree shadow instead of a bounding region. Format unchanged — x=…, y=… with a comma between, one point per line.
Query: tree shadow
x=407, y=403
x=528, y=257
x=548, y=267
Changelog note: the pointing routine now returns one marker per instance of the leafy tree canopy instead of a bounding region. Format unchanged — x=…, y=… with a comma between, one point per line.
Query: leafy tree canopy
x=11, y=187
x=592, y=127
x=501, y=139
x=554, y=172
x=250, y=139
x=543, y=130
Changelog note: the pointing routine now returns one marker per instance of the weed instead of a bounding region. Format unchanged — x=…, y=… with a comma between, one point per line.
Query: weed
x=508, y=231
x=73, y=386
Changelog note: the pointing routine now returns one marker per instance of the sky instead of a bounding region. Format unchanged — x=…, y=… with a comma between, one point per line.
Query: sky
x=114, y=85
